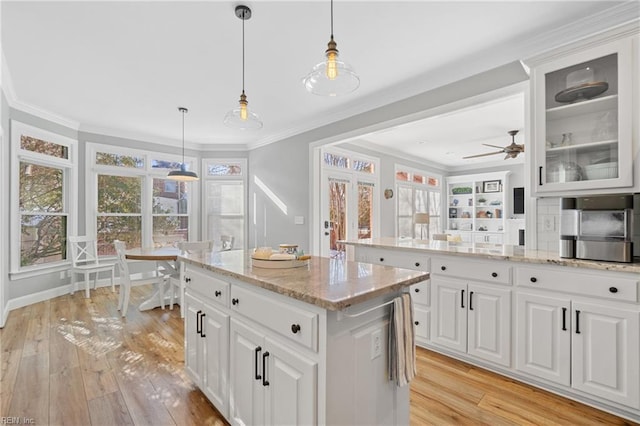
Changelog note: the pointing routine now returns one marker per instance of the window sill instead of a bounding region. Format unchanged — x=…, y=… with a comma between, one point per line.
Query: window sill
x=37, y=271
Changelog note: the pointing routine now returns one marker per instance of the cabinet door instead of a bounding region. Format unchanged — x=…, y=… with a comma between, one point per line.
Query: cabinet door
x=216, y=360
x=543, y=337
x=449, y=322
x=606, y=352
x=290, y=397
x=583, y=117
x=246, y=405
x=489, y=324
x=193, y=357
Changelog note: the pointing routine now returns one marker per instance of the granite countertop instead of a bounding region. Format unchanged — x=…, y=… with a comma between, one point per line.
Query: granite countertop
x=328, y=283
x=493, y=251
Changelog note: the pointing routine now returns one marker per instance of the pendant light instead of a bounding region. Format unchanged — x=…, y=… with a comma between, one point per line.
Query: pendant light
x=242, y=117
x=331, y=77
x=183, y=174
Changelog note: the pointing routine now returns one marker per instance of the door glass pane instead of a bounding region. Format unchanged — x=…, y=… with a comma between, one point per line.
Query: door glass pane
x=337, y=217
x=42, y=239
x=405, y=212
x=225, y=211
x=365, y=210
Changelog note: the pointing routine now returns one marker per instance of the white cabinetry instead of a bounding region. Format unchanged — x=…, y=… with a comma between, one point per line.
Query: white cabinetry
x=583, y=120
x=591, y=345
x=469, y=316
x=477, y=207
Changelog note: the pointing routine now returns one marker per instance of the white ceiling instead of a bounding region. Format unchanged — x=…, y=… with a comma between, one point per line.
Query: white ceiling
x=124, y=67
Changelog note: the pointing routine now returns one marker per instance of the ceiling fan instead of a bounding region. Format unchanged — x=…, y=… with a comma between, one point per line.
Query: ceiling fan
x=512, y=150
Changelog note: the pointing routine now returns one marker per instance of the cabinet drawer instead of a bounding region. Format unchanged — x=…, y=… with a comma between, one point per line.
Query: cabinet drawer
x=291, y=322
x=420, y=293
x=606, y=285
x=490, y=271
x=207, y=285
x=407, y=260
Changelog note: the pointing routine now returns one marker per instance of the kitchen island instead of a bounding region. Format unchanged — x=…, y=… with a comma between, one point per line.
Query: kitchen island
x=569, y=326
x=304, y=345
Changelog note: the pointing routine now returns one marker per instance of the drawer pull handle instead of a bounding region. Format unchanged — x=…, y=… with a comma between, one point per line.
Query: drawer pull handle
x=533, y=279
x=382, y=259
x=235, y=301
x=218, y=293
x=471, y=301
x=443, y=268
x=494, y=274
x=265, y=382
x=417, y=290
x=613, y=289
x=201, y=327
x=295, y=328
x=462, y=298
x=416, y=322
x=577, y=322
x=564, y=319
x=257, y=354
x=417, y=264
x=198, y=323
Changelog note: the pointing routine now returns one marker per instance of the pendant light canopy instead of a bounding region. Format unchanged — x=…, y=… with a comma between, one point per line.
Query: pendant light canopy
x=183, y=174
x=241, y=117
x=331, y=77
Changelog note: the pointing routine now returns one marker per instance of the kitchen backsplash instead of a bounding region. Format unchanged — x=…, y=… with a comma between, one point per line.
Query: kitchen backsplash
x=548, y=214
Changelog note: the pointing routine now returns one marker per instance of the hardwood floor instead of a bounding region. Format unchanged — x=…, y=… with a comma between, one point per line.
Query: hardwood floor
x=74, y=361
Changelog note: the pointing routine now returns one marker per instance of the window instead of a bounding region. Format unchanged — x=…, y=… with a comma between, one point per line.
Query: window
x=418, y=192
x=134, y=201
x=225, y=200
x=44, y=197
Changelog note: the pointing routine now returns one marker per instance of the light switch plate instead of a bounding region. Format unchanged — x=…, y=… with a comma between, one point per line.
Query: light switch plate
x=298, y=220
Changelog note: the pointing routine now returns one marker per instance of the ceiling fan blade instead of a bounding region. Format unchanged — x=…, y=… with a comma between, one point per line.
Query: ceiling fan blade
x=493, y=146
x=482, y=155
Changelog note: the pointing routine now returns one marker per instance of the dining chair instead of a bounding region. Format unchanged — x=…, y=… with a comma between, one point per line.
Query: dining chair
x=177, y=285
x=85, y=261
x=126, y=282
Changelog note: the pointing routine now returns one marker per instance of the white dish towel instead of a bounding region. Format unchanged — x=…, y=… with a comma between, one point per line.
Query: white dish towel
x=402, y=349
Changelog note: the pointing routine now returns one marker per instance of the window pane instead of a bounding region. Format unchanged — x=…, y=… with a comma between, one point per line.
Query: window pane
x=119, y=194
x=336, y=160
x=123, y=228
x=231, y=226
x=418, y=178
x=171, y=165
x=363, y=166
x=225, y=198
x=42, y=239
x=405, y=227
x=168, y=230
x=403, y=176
x=43, y=147
x=431, y=181
x=365, y=210
x=231, y=169
x=108, y=159
x=405, y=201
x=41, y=188
x=420, y=204
x=169, y=197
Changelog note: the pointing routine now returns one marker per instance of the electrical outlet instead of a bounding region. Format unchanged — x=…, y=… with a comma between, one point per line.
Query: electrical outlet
x=376, y=344
x=549, y=223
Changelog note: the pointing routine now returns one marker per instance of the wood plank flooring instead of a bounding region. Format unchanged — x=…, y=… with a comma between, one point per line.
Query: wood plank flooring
x=75, y=361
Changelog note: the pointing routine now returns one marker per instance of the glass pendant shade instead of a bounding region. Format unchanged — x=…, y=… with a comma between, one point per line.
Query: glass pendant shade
x=331, y=77
x=183, y=174
x=242, y=117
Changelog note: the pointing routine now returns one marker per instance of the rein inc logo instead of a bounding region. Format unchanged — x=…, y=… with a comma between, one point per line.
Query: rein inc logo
x=16, y=420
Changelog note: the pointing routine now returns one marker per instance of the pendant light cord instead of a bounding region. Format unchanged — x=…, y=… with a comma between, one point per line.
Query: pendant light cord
x=183, y=111
x=332, y=19
x=243, y=19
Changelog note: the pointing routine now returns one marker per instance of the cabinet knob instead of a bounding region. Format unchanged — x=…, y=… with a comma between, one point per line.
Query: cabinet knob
x=417, y=290
x=235, y=301
x=416, y=322
x=382, y=259
x=295, y=328
x=494, y=274
x=613, y=289
x=218, y=293
x=187, y=279
x=533, y=279
x=417, y=264
x=443, y=268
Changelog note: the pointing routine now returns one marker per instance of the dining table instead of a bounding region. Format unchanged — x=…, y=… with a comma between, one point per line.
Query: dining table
x=166, y=259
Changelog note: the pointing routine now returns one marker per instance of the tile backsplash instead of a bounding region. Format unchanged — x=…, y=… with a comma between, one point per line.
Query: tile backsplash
x=548, y=224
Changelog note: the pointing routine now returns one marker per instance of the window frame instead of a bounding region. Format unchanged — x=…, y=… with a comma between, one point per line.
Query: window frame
x=69, y=167
x=147, y=174
x=409, y=183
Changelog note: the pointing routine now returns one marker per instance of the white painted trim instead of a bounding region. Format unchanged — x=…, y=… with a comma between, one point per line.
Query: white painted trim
x=7, y=82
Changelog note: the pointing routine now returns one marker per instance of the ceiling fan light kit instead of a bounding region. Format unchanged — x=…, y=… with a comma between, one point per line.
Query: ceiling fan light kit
x=511, y=150
x=331, y=77
x=242, y=117
x=183, y=174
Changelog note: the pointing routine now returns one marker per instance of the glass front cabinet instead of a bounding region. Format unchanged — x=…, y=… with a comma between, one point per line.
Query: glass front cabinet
x=583, y=120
